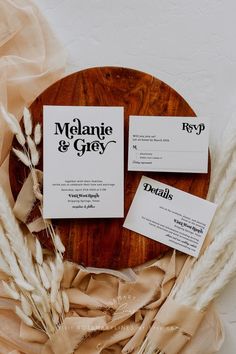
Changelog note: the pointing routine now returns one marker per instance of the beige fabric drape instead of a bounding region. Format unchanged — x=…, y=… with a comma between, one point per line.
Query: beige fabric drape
x=111, y=312
x=31, y=59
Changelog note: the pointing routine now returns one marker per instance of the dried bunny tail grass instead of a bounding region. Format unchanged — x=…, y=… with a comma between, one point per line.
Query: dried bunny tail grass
x=21, y=139
x=36, y=189
x=55, y=316
x=46, y=299
x=17, y=241
x=12, y=122
x=26, y=306
x=66, y=302
x=44, y=277
x=9, y=256
x=22, y=157
x=58, y=244
x=13, y=125
x=26, y=319
x=37, y=134
x=57, y=271
x=59, y=300
x=30, y=277
x=59, y=268
x=12, y=293
x=42, y=293
x=47, y=271
x=54, y=287
x=23, y=284
x=34, y=154
x=37, y=299
x=58, y=305
x=27, y=121
x=59, y=247
x=49, y=323
x=38, y=313
x=38, y=252
x=4, y=267
x=224, y=277
x=40, y=308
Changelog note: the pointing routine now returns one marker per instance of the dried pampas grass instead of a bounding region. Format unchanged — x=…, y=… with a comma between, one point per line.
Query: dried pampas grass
x=227, y=273
x=217, y=265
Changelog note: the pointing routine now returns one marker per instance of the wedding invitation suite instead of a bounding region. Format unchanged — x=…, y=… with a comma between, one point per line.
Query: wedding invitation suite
x=83, y=162
x=171, y=144
x=170, y=216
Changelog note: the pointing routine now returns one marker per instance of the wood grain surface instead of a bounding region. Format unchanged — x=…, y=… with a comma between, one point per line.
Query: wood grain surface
x=104, y=242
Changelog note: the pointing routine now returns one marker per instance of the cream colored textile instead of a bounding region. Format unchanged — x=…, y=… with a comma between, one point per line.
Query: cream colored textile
x=111, y=312
x=31, y=59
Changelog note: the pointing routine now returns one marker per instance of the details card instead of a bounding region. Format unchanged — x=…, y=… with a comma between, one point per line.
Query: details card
x=170, y=216
x=171, y=144
x=81, y=144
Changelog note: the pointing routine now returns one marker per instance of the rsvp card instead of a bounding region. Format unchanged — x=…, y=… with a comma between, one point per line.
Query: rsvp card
x=170, y=216
x=171, y=144
x=83, y=162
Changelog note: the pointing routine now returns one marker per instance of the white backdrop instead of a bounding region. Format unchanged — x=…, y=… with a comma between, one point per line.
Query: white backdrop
x=189, y=44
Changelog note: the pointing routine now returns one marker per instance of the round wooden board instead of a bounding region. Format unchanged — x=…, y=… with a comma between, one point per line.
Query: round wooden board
x=104, y=242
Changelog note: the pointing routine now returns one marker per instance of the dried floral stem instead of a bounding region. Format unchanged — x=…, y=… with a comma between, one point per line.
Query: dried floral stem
x=218, y=261
x=37, y=134
x=35, y=281
x=29, y=156
x=210, y=264
x=13, y=125
x=222, y=279
x=27, y=121
x=19, y=264
x=16, y=239
x=221, y=162
x=217, y=266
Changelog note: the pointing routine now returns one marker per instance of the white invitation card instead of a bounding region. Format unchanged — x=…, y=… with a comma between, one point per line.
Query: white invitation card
x=83, y=162
x=171, y=144
x=170, y=216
